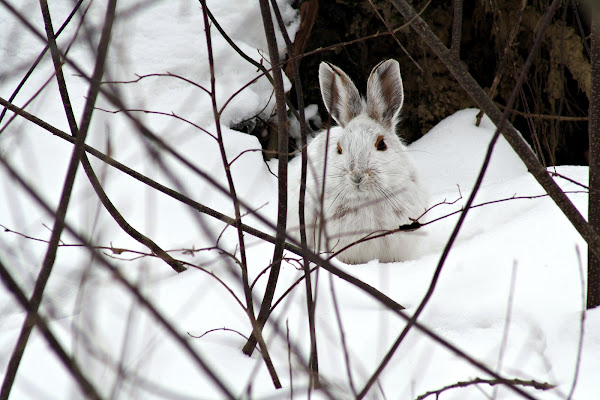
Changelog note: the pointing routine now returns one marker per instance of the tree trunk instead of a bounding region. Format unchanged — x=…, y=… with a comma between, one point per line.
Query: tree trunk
x=593, y=286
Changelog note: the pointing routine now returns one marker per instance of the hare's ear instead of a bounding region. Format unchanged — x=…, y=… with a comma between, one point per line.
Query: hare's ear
x=340, y=95
x=385, y=94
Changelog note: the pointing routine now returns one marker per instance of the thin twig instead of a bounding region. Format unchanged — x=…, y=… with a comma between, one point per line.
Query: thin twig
x=566, y=178
x=545, y=116
x=581, y=326
x=289, y=346
x=393, y=32
x=217, y=330
x=167, y=74
x=507, y=322
x=416, y=224
x=338, y=318
x=140, y=254
x=491, y=382
x=167, y=114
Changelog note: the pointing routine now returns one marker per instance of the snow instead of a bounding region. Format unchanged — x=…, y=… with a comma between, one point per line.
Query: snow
x=515, y=274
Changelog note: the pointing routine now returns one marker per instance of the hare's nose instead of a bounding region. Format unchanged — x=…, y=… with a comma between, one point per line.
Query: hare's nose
x=357, y=177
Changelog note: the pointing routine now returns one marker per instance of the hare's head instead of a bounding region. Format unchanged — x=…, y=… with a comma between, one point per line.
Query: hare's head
x=369, y=159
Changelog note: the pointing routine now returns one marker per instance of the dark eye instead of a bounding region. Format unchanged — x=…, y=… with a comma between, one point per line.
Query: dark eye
x=339, y=148
x=380, y=143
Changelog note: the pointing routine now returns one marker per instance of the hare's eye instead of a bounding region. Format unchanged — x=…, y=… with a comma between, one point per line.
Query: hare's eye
x=380, y=143
x=339, y=148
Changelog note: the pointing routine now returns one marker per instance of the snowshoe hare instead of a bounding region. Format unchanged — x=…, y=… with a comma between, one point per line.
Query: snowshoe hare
x=370, y=184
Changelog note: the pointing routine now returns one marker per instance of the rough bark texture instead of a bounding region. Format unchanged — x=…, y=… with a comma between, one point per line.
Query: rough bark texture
x=593, y=286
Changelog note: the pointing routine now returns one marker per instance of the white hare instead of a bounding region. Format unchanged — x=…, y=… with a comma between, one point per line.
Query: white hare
x=370, y=183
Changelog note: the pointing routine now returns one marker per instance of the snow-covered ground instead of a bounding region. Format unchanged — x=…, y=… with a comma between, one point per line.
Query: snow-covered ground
x=510, y=293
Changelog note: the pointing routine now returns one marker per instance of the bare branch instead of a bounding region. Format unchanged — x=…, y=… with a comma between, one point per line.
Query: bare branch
x=581, y=325
x=491, y=382
x=217, y=330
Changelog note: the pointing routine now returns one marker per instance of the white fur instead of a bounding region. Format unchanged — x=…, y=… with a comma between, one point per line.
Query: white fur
x=367, y=191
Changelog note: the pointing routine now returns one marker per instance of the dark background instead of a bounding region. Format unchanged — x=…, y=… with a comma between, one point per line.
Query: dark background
x=558, y=84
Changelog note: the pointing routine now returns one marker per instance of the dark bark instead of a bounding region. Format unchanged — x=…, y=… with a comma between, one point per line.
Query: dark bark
x=593, y=285
x=265, y=307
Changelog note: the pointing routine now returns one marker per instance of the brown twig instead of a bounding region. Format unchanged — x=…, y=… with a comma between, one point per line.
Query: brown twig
x=581, y=325
x=393, y=32
x=544, y=116
x=416, y=224
x=573, y=181
x=217, y=330
x=155, y=75
x=166, y=114
x=507, y=322
x=340, y=325
x=491, y=382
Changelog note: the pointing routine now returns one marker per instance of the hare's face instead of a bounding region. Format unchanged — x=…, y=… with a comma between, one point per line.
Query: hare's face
x=367, y=162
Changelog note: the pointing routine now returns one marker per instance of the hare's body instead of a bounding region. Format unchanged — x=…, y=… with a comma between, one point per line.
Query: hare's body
x=370, y=184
